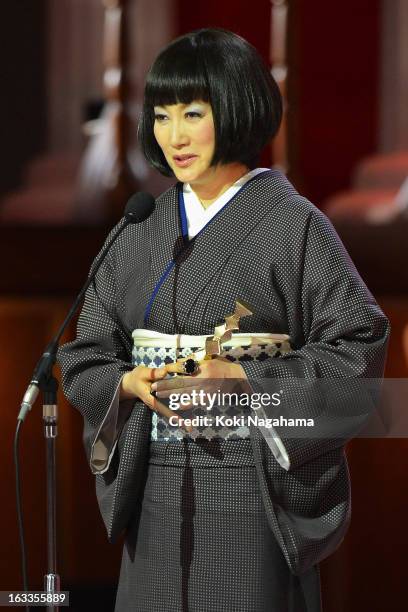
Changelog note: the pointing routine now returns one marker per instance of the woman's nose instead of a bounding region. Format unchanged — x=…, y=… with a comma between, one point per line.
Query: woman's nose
x=178, y=134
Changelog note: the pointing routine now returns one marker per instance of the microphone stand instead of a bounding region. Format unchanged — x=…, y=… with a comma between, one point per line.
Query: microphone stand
x=52, y=581
x=44, y=380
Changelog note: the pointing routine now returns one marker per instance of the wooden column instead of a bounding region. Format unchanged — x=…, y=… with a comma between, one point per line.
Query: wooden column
x=393, y=128
x=74, y=68
x=279, y=10
x=106, y=180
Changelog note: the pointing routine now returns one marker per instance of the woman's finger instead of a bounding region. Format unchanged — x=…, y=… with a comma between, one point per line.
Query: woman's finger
x=185, y=383
x=153, y=374
x=157, y=406
x=179, y=390
x=205, y=396
x=178, y=367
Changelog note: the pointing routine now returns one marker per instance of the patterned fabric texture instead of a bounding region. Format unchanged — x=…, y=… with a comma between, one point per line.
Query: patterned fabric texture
x=157, y=356
x=192, y=551
x=273, y=249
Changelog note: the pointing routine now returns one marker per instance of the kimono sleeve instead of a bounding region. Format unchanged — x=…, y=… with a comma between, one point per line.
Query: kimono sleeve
x=335, y=376
x=93, y=365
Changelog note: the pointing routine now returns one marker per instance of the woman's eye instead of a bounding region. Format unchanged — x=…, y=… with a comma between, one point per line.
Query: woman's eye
x=159, y=117
x=193, y=114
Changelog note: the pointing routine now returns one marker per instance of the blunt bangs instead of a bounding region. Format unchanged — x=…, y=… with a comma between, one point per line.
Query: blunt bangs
x=176, y=76
x=223, y=69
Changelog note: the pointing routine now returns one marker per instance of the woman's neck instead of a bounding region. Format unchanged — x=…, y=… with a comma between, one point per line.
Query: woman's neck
x=223, y=178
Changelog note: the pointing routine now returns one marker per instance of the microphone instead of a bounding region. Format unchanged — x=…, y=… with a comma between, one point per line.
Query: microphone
x=138, y=208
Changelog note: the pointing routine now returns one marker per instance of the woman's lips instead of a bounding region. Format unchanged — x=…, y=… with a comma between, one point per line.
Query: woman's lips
x=184, y=161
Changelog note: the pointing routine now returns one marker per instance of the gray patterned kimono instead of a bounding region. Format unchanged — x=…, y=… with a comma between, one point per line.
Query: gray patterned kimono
x=275, y=250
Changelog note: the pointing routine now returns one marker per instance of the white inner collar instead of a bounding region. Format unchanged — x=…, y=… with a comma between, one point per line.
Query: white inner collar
x=197, y=215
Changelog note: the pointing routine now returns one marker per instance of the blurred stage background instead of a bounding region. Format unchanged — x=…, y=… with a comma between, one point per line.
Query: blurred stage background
x=72, y=87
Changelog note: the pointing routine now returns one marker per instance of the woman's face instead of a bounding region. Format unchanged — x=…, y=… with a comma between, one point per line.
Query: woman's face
x=185, y=133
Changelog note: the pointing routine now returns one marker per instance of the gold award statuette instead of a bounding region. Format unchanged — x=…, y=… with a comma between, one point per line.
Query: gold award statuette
x=222, y=333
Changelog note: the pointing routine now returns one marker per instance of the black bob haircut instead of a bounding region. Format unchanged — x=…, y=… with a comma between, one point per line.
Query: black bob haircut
x=223, y=69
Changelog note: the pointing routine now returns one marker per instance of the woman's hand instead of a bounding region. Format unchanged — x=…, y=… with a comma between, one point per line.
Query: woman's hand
x=218, y=374
x=138, y=384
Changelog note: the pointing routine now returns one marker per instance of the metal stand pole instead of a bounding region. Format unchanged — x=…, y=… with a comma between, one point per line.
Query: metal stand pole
x=138, y=209
x=50, y=418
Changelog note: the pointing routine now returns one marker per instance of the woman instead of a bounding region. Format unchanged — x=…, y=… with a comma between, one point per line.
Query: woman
x=235, y=522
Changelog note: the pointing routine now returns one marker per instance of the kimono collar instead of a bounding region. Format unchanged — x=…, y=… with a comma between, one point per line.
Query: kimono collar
x=199, y=259
x=194, y=217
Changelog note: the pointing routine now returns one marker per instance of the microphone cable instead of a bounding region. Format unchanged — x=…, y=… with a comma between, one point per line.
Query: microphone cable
x=139, y=207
